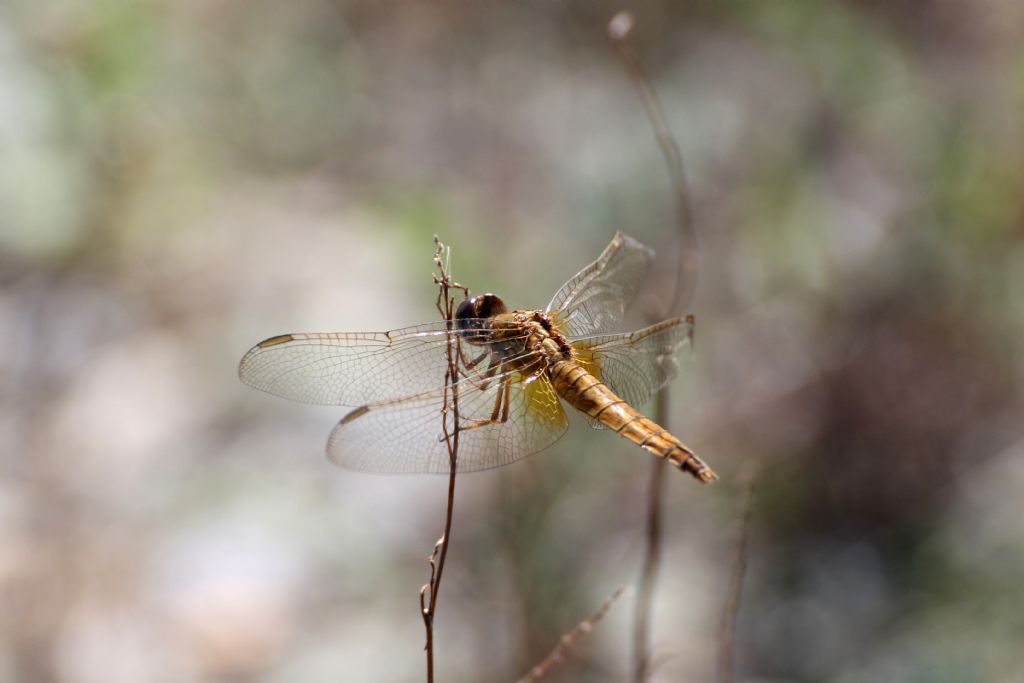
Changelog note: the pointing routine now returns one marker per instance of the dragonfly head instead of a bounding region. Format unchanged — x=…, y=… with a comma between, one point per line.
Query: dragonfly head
x=471, y=313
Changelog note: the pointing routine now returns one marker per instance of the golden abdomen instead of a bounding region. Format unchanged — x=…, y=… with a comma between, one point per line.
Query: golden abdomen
x=587, y=394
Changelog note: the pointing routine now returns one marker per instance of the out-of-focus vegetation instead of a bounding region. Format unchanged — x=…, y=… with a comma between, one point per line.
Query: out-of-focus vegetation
x=181, y=179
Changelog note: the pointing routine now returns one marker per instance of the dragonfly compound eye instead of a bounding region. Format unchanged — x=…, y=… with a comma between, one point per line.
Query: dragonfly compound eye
x=471, y=312
x=465, y=313
x=488, y=305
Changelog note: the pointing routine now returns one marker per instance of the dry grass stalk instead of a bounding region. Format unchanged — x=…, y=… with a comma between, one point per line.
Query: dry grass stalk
x=731, y=608
x=652, y=558
x=450, y=426
x=565, y=643
x=620, y=30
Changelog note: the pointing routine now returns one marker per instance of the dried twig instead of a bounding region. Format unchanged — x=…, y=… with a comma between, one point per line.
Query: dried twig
x=557, y=656
x=619, y=30
x=731, y=608
x=652, y=556
x=449, y=411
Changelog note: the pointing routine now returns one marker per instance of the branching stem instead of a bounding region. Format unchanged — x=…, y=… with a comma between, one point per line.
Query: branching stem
x=451, y=428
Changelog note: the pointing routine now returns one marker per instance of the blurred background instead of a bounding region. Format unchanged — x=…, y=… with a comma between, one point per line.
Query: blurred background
x=180, y=180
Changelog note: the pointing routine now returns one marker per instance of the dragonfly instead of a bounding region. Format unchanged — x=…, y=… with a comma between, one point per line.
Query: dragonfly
x=515, y=371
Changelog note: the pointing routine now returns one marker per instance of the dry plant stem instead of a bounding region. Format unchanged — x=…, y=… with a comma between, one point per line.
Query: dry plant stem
x=652, y=556
x=557, y=656
x=619, y=31
x=450, y=409
x=731, y=609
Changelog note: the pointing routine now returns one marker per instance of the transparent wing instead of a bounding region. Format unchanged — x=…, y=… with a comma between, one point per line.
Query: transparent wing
x=635, y=365
x=351, y=369
x=594, y=301
x=406, y=436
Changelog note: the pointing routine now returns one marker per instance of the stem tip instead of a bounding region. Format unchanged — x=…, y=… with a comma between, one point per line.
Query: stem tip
x=621, y=26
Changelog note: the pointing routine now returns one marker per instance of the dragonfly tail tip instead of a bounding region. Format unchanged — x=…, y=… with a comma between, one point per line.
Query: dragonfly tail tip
x=703, y=474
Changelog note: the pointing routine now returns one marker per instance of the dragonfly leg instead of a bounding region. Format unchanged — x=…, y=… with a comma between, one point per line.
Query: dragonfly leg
x=501, y=404
x=506, y=394
x=486, y=376
x=498, y=400
x=466, y=362
x=501, y=407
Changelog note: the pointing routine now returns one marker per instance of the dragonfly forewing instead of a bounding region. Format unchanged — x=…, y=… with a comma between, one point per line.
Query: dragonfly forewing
x=594, y=301
x=350, y=369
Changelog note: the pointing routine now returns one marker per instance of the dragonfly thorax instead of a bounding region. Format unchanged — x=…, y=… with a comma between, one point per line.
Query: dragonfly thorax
x=540, y=336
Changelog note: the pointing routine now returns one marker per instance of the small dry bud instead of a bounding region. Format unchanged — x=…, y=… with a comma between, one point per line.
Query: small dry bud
x=620, y=26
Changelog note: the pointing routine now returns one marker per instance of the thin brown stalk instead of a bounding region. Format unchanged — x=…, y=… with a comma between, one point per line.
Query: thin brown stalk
x=731, y=608
x=451, y=429
x=557, y=656
x=652, y=557
x=620, y=29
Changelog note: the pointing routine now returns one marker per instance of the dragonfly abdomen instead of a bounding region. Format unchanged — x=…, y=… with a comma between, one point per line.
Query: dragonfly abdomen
x=586, y=393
